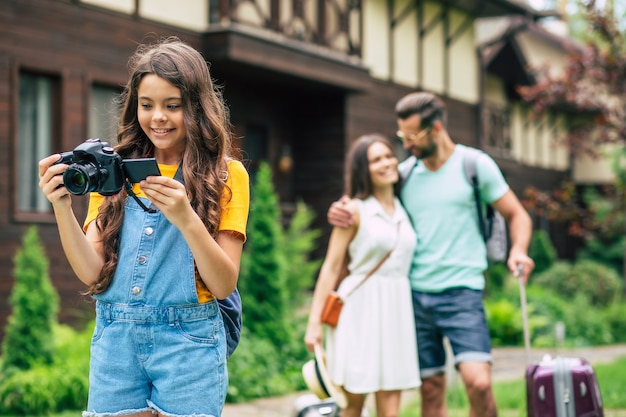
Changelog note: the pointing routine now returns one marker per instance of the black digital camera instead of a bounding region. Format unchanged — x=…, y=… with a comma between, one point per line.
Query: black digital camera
x=94, y=166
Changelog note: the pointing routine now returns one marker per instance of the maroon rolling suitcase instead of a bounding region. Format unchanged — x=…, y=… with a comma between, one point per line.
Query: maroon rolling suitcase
x=561, y=386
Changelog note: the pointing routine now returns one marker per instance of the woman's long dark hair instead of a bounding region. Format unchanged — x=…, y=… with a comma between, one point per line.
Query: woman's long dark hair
x=207, y=145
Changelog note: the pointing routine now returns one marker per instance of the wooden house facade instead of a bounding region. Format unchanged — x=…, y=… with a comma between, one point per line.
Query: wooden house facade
x=302, y=79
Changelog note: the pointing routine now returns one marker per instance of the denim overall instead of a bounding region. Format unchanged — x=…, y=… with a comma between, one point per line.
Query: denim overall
x=154, y=346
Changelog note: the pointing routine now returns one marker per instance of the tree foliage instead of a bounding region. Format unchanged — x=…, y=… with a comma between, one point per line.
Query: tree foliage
x=591, y=91
x=262, y=283
x=300, y=242
x=542, y=251
x=592, y=87
x=35, y=303
x=276, y=274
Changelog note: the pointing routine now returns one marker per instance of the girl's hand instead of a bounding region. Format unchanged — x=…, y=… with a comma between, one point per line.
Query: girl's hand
x=170, y=197
x=51, y=181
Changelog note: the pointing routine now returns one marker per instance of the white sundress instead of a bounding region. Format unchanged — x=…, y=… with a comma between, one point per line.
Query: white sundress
x=373, y=347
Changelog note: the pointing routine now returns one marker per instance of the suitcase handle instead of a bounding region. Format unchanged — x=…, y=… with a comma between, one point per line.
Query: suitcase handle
x=522, y=294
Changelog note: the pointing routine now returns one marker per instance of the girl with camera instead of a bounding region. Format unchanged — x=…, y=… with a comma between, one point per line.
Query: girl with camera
x=156, y=272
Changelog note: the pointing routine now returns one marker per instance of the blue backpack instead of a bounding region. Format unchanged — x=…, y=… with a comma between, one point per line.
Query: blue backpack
x=230, y=307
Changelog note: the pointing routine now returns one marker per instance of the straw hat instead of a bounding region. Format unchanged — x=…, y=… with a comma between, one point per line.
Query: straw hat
x=318, y=380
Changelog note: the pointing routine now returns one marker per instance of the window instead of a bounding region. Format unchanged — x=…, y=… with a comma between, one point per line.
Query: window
x=103, y=113
x=35, y=133
x=497, y=129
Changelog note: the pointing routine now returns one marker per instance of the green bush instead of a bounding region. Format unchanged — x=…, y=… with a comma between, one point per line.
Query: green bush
x=58, y=386
x=542, y=251
x=599, y=283
x=71, y=363
x=42, y=390
x=29, y=392
x=45, y=366
x=609, y=252
x=505, y=322
x=615, y=317
x=495, y=278
x=261, y=369
x=263, y=273
x=276, y=274
x=299, y=242
x=545, y=309
x=591, y=314
x=35, y=303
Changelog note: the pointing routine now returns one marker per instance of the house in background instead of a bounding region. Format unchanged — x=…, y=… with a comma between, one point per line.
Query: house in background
x=302, y=79
x=513, y=51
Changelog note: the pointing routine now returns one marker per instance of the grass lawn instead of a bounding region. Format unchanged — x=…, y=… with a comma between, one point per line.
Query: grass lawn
x=511, y=396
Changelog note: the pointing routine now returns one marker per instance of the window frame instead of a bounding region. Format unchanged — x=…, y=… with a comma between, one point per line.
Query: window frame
x=56, y=105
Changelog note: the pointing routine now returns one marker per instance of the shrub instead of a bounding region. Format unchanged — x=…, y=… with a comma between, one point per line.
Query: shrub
x=615, y=317
x=28, y=392
x=46, y=388
x=262, y=279
x=495, y=278
x=609, y=252
x=261, y=369
x=275, y=273
x=505, y=324
x=45, y=366
x=545, y=309
x=542, y=251
x=35, y=303
x=585, y=325
x=300, y=241
x=599, y=283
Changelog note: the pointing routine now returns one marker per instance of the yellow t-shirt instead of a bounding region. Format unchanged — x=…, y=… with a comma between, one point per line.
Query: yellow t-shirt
x=234, y=211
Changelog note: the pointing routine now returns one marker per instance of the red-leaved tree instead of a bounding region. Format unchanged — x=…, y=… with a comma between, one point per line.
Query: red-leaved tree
x=592, y=93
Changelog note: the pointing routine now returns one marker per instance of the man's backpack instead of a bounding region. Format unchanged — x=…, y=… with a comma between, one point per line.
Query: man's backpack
x=491, y=225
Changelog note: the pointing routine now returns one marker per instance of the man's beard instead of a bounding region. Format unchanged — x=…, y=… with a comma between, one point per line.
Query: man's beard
x=428, y=151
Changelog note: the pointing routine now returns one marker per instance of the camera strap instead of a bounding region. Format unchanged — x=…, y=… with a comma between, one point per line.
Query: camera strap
x=129, y=190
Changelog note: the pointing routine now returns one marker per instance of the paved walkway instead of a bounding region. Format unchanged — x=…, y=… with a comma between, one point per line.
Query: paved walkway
x=509, y=363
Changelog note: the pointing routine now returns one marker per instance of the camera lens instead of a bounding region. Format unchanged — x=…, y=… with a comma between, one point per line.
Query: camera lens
x=78, y=179
x=82, y=178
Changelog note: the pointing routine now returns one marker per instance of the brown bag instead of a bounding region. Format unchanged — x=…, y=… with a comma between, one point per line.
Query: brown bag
x=334, y=302
x=332, y=308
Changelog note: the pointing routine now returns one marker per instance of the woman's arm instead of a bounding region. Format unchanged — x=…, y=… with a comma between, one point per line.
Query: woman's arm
x=332, y=266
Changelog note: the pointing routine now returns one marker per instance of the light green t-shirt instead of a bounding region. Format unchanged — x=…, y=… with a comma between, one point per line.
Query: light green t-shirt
x=450, y=250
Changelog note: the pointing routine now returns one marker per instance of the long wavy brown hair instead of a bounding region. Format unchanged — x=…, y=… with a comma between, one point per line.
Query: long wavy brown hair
x=207, y=147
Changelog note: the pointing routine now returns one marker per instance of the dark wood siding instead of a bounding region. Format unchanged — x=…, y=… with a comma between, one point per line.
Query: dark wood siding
x=309, y=106
x=79, y=45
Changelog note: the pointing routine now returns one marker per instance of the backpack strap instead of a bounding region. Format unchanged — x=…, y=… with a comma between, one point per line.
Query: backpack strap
x=470, y=157
x=406, y=168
